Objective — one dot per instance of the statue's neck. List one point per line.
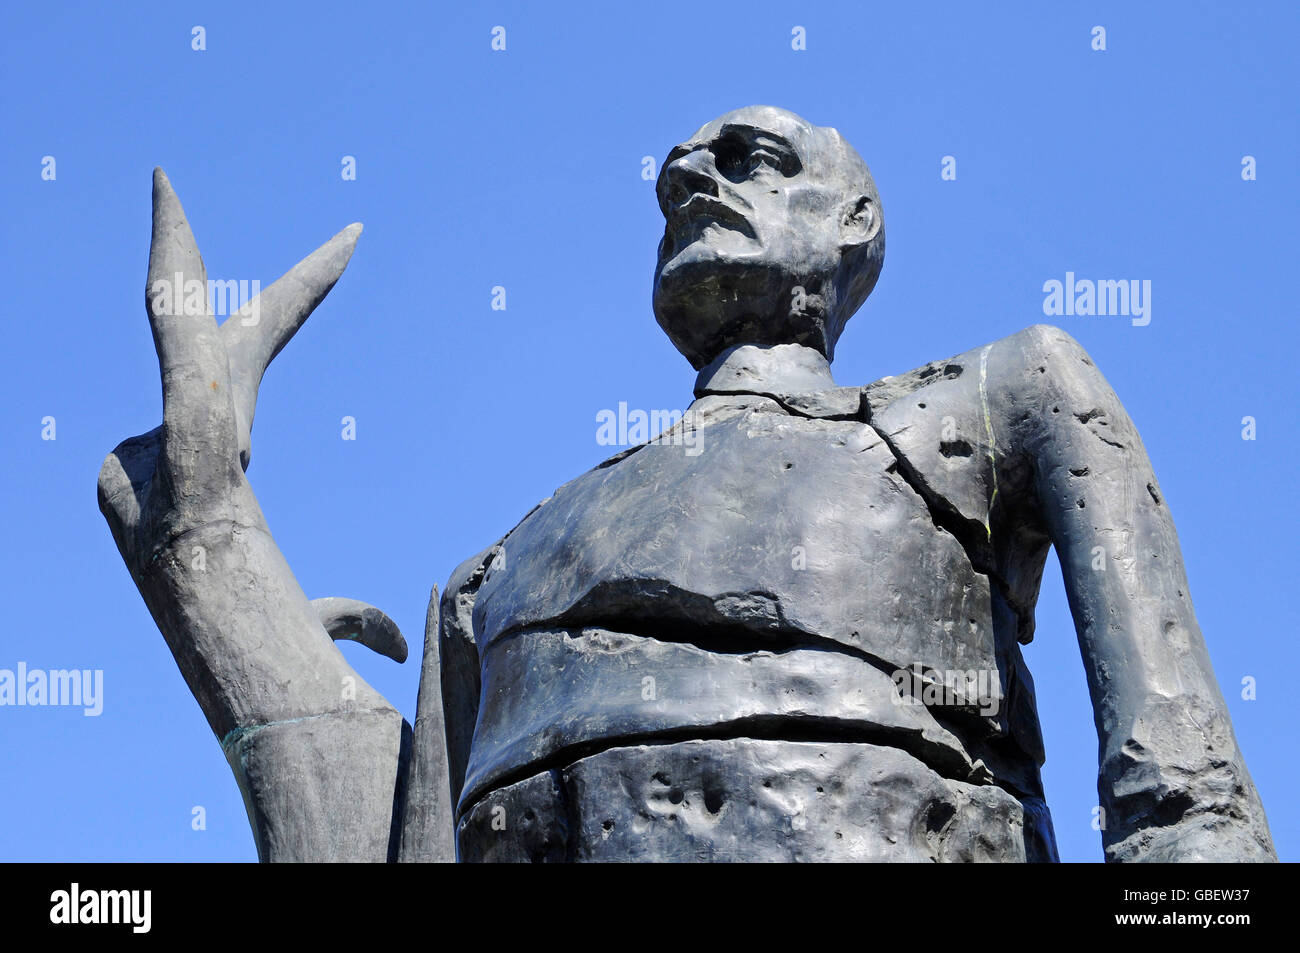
(765, 369)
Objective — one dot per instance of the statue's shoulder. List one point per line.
(1036, 344)
(950, 419)
(999, 366)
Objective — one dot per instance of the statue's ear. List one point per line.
(859, 222)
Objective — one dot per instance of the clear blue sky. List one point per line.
(523, 169)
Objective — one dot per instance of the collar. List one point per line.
(766, 369)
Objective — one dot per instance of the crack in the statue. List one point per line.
(159, 549)
(781, 401)
(973, 536)
(569, 807)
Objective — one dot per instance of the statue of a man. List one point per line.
(788, 628)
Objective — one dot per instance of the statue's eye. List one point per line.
(731, 157)
(738, 159)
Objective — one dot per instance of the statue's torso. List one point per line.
(774, 581)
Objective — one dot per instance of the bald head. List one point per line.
(773, 235)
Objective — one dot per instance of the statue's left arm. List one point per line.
(1173, 782)
(319, 755)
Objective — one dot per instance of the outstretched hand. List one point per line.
(210, 377)
(190, 471)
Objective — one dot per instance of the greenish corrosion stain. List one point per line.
(988, 433)
(236, 735)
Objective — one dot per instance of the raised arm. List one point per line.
(1173, 783)
(317, 752)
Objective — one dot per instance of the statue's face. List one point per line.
(759, 205)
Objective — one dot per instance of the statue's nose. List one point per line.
(687, 175)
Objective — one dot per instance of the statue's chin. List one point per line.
(726, 288)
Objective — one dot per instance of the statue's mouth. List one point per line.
(688, 221)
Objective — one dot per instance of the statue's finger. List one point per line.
(359, 622)
(198, 414)
(255, 335)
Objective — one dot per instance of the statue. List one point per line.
(788, 628)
